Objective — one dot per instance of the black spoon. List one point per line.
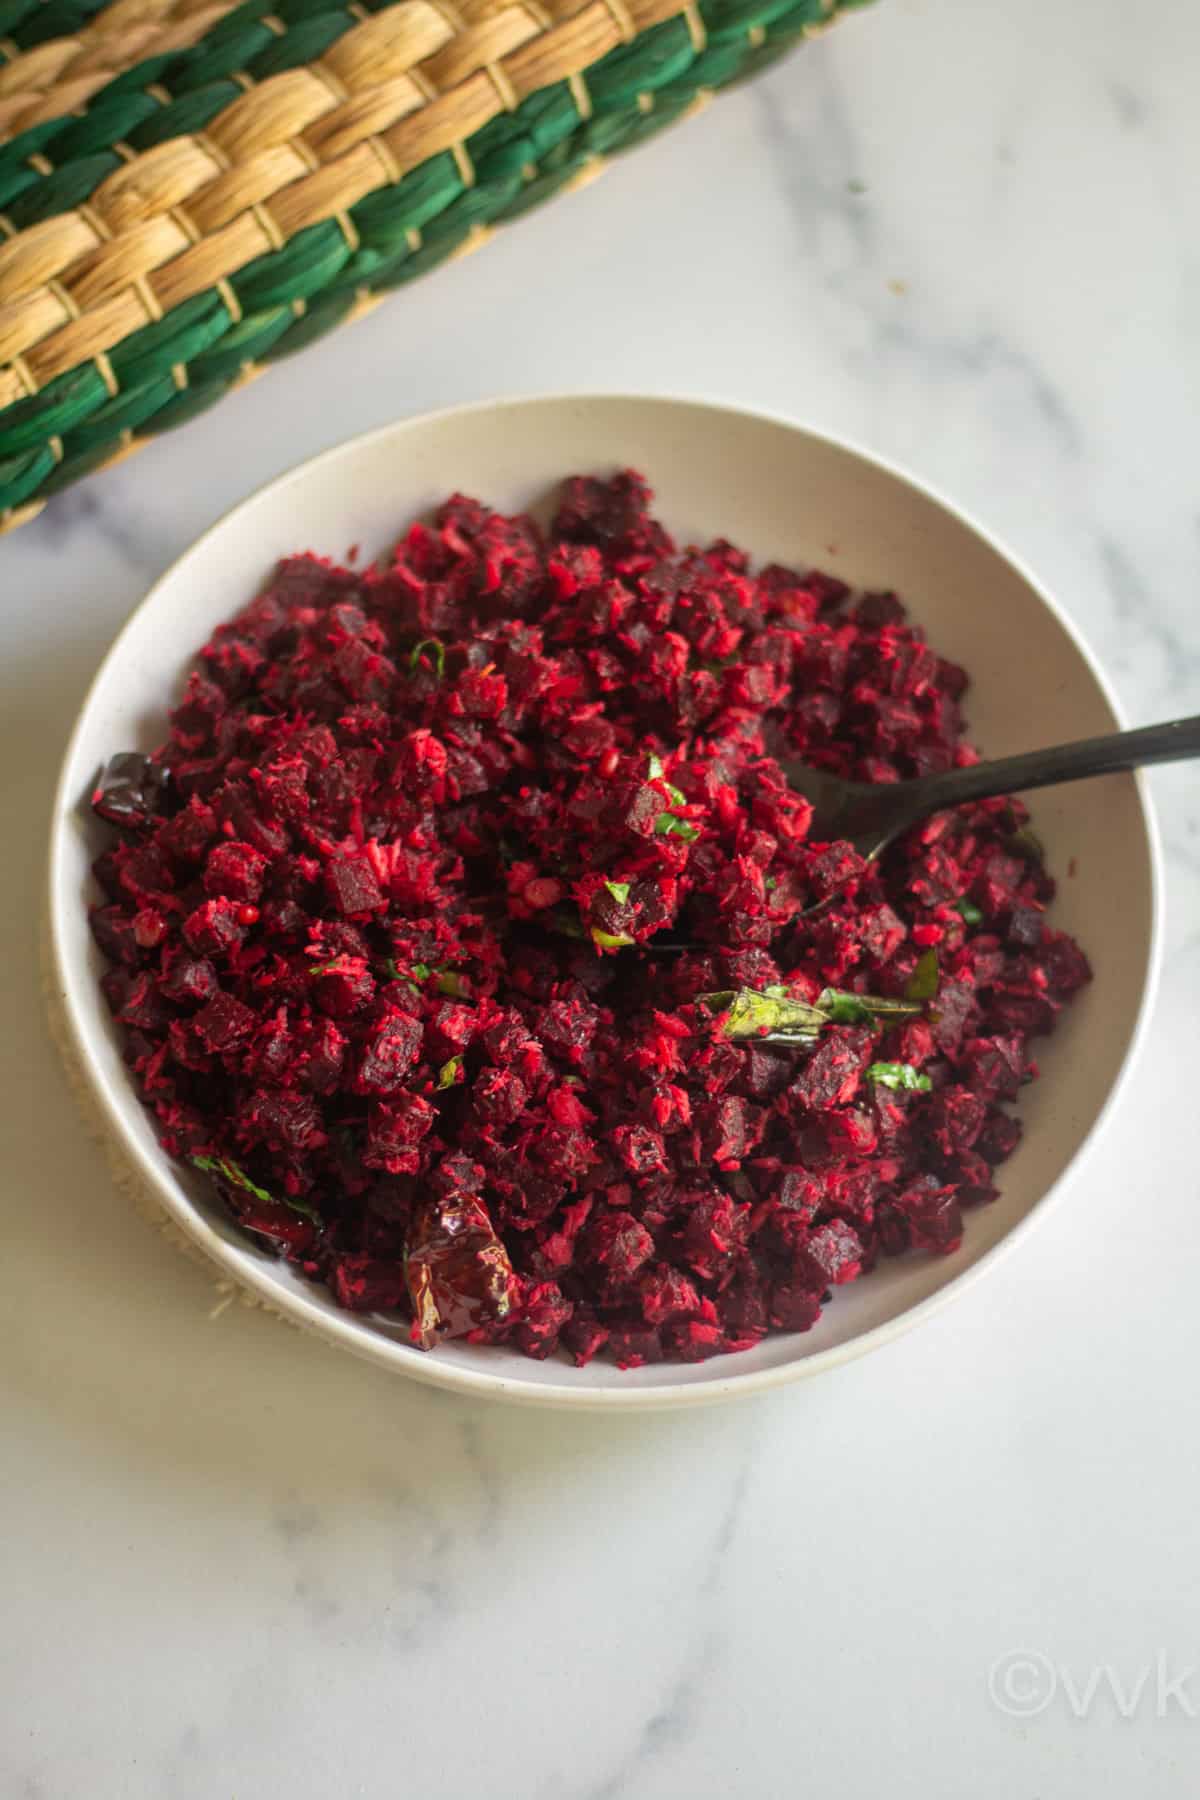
(870, 815)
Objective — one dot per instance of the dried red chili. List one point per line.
(460, 933)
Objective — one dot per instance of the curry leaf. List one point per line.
(749, 1014)
(923, 982)
(899, 1075)
(238, 1178)
(667, 825)
(439, 655)
(843, 1008)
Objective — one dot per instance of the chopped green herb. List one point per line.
(787, 1020)
(923, 982)
(771, 883)
(439, 655)
(899, 1075)
(323, 968)
(608, 940)
(751, 1014)
(1026, 843)
(844, 1008)
(391, 970)
(565, 924)
(448, 981)
(216, 1165)
(667, 825)
(448, 1073)
(968, 912)
(719, 1000)
(655, 772)
(619, 891)
(236, 1177)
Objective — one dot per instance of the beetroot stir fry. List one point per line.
(463, 933)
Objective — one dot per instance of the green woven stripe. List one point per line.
(292, 296)
(58, 193)
(191, 112)
(200, 79)
(184, 332)
(30, 22)
(122, 110)
(61, 405)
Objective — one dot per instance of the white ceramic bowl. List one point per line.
(784, 493)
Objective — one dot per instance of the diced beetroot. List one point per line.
(396, 1128)
(287, 1121)
(794, 1307)
(642, 1150)
(633, 1346)
(828, 1256)
(544, 1313)
(113, 930)
(213, 929)
(322, 1055)
(692, 1340)
(389, 1053)
(619, 1244)
(665, 1294)
(424, 926)
(368, 1283)
(354, 886)
(345, 988)
(189, 980)
(930, 1211)
(583, 1338)
(221, 1023)
(235, 870)
(830, 1076)
(498, 1097)
(143, 1006)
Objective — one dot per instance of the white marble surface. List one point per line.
(238, 1565)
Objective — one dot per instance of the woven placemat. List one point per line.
(190, 190)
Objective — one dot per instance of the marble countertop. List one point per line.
(239, 1565)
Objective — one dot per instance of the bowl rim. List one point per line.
(345, 1330)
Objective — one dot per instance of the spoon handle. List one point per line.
(1171, 742)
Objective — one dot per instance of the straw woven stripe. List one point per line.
(143, 275)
